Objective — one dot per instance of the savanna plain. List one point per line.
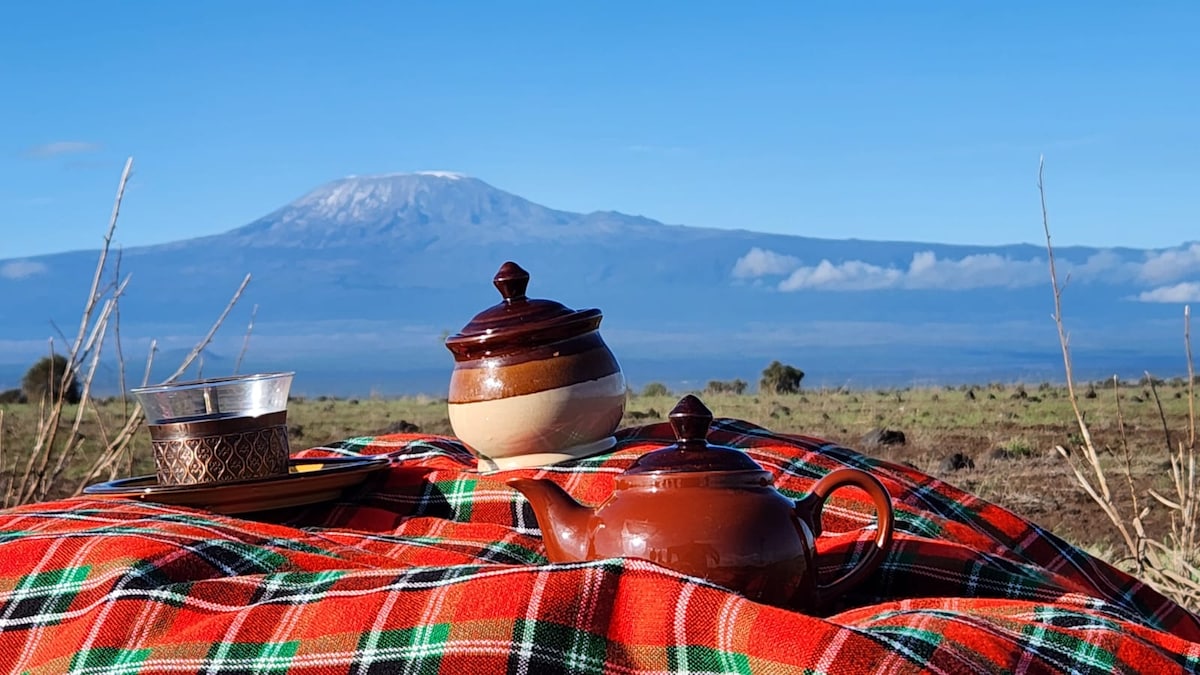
(997, 441)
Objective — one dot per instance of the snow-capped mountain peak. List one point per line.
(452, 175)
(420, 206)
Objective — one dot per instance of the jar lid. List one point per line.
(518, 322)
(690, 419)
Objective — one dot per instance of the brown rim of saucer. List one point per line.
(251, 496)
(148, 483)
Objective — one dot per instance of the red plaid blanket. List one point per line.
(432, 567)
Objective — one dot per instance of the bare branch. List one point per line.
(1091, 457)
(1191, 371)
(93, 296)
(2, 458)
(117, 339)
(1125, 445)
(204, 342)
(1162, 415)
(245, 341)
(68, 450)
(149, 362)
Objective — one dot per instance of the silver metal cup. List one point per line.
(220, 429)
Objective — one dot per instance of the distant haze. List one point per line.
(358, 281)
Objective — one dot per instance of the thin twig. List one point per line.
(68, 450)
(1104, 498)
(117, 339)
(110, 458)
(246, 340)
(187, 362)
(100, 425)
(1162, 415)
(45, 442)
(1191, 528)
(58, 331)
(93, 296)
(1105, 505)
(2, 458)
(112, 455)
(69, 447)
(149, 362)
(1125, 445)
(1191, 371)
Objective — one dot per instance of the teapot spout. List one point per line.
(563, 521)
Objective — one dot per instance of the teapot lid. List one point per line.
(519, 322)
(690, 419)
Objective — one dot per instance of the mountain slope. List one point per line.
(381, 265)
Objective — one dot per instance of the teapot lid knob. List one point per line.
(691, 452)
(512, 281)
(690, 419)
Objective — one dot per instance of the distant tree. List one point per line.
(655, 389)
(737, 387)
(779, 378)
(46, 378)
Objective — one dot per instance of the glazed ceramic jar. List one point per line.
(533, 382)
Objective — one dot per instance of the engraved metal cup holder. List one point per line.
(218, 430)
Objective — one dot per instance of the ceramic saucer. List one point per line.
(541, 459)
(308, 481)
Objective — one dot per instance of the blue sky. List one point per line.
(917, 121)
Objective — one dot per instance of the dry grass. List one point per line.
(1028, 477)
(54, 455)
(1167, 556)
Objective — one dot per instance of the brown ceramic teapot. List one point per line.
(712, 512)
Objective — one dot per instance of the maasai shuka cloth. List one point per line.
(431, 566)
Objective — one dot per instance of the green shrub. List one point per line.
(655, 389)
(722, 387)
(1019, 447)
(44, 380)
(778, 378)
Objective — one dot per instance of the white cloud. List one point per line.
(20, 269)
(763, 263)
(973, 271)
(988, 270)
(59, 148)
(1188, 291)
(925, 270)
(1171, 264)
(853, 275)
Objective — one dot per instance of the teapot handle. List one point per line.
(809, 510)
